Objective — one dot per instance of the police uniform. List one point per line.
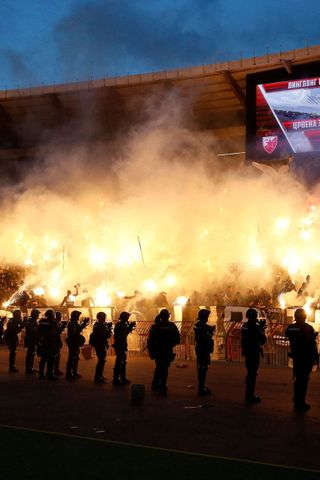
(99, 339)
(48, 334)
(61, 326)
(74, 341)
(120, 345)
(31, 340)
(252, 338)
(204, 348)
(163, 336)
(14, 327)
(304, 354)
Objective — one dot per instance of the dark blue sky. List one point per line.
(46, 41)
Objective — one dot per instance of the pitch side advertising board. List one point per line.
(284, 114)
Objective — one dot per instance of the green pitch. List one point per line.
(32, 455)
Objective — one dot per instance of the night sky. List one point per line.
(47, 41)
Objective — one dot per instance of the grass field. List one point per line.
(27, 454)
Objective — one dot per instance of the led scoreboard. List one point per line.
(283, 115)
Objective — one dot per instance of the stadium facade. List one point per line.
(216, 93)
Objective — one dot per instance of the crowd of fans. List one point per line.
(228, 293)
(11, 279)
(222, 293)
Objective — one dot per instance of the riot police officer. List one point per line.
(48, 334)
(304, 354)
(204, 347)
(99, 340)
(121, 331)
(14, 327)
(163, 336)
(31, 340)
(61, 326)
(252, 339)
(74, 340)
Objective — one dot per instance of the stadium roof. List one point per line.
(216, 93)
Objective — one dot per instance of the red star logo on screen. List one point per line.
(270, 143)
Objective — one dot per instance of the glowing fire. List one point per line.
(102, 298)
(282, 224)
(97, 256)
(55, 292)
(182, 300)
(282, 302)
(150, 285)
(292, 262)
(39, 290)
(307, 306)
(257, 260)
(153, 222)
(171, 280)
(306, 234)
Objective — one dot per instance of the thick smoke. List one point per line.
(83, 214)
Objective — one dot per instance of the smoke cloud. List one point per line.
(82, 211)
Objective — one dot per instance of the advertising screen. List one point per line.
(287, 119)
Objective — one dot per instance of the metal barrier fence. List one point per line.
(227, 338)
(275, 351)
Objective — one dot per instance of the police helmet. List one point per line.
(300, 314)
(203, 314)
(101, 316)
(49, 314)
(75, 314)
(252, 314)
(164, 314)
